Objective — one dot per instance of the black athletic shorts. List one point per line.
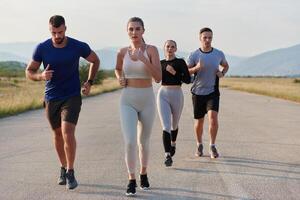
(203, 103)
(63, 110)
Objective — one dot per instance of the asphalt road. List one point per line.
(259, 142)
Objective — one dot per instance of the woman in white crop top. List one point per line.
(136, 66)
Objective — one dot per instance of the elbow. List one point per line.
(97, 63)
(157, 79)
(187, 81)
(27, 75)
(116, 73)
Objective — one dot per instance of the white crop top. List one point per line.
(135, 69)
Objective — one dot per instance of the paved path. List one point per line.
(259, 141)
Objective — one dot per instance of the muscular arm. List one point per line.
(94, 65)
(32, 71)
(225, 66)
(93, 69)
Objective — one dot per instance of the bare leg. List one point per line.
(131, 176)
(68, 132)
(143, 170)
(59, 146)
(198, 127)
(213, 125)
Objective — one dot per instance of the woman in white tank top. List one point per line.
(136, 66)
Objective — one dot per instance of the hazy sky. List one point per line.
(241, 27)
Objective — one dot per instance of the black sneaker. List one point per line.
(131, 188)
(168, 161)
(172, 150)
(144, 182)
(213, 152)
(62, 179)
(199, 151)
(71, 181)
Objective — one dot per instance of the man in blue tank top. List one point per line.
(60, 56)
(208, 64)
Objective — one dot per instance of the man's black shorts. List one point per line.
(203, 103)
(63, 110)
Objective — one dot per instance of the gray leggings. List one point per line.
(137, 107)
(169, 104)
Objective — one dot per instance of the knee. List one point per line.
(130, 145)
(199, 123)
(143, 146)
(69, 138)
(57, 134)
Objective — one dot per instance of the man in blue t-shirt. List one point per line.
(60, 56)
(209, 64)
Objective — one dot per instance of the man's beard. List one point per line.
(56, 41)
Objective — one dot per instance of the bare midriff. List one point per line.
(139, 83)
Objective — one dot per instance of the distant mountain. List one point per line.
(5, 56)
(21, 51)
(234, 60)
(280, 62)
(107, 57)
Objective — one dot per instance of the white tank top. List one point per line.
(135, 69)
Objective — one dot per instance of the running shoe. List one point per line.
(199, 151)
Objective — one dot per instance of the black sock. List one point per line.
(167, 141)
(174, 135)
(132, 181)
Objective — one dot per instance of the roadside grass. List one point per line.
(18, 94)
(284, 88)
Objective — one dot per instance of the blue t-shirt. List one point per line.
(64, 62)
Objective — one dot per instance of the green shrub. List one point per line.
(84, 72)
(109, 73)
(296, 80)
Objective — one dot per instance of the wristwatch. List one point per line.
(90, 81)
